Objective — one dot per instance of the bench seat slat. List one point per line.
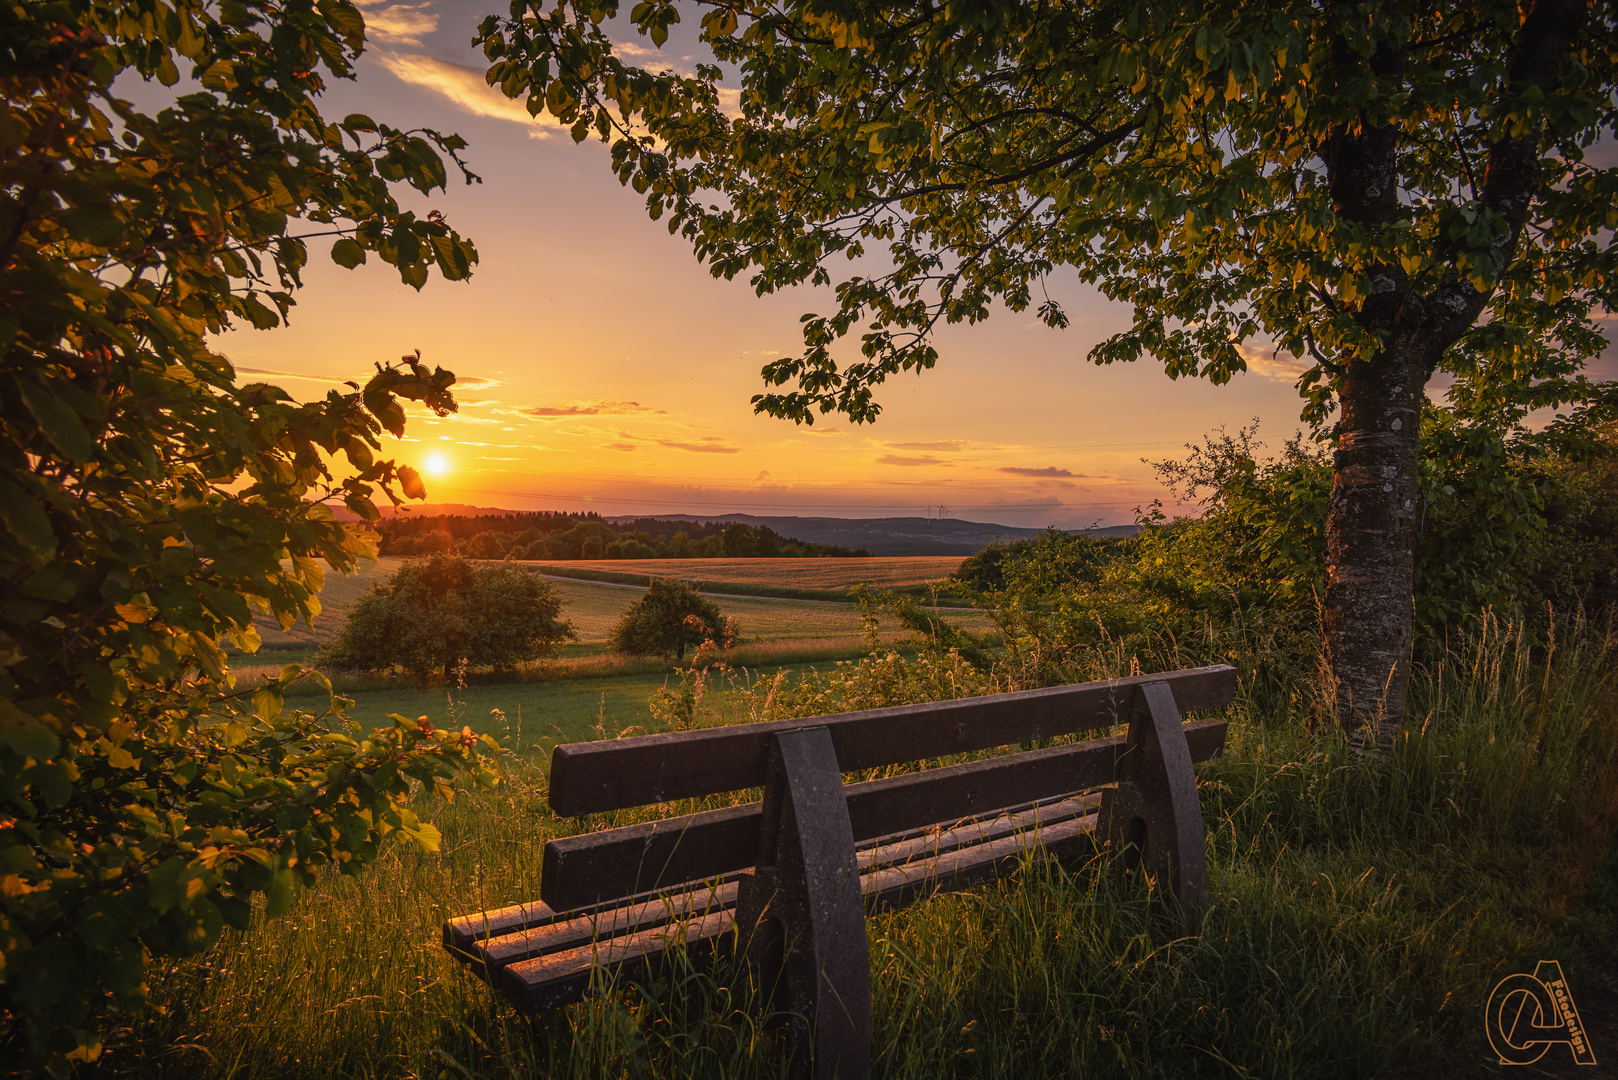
(898, 886)
(498, 952)
(547, 982)
(616, 773)
(932, 844)
(580, 871)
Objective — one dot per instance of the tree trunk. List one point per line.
(1370, 527)
(1370, 542)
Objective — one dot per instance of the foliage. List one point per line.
(931, 629)
(669, 617)
(150, 504)
(1499, 523)
(563, 536)
(978, 148)
(434, 614)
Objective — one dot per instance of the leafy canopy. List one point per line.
(1174, 153)
(433, 614)
(669, 617)
(151, 505)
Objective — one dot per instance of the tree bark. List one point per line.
(1370, 542)
(1370, 526)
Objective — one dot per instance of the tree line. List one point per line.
(588, 536)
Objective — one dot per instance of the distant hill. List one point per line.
(879, 536)
(885, 536)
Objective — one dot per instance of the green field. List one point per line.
(893, 572)
(813, 628)
(822, 579)
(587, 686)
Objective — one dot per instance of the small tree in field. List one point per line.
(433, 614)
(669, 617)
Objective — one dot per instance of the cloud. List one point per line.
(947, 444)
(287, 375)
(465, 87)
(622, 446)
(1049, 470)
(1049, 502)
(594, 408)
(1272, 363)
(763, 474)
(397, 24)
(895, 459)
(710, 445)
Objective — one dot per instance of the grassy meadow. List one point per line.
(827, 579)
(1358, 912)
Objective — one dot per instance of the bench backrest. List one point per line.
(612, 865)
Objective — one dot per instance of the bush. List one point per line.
(431, 615)
(669, 617)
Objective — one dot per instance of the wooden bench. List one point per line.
(787, 881)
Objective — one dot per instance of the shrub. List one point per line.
(669, 617)
(433, 614)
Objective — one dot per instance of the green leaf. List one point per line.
(25, 520)
(410, 483)
(25, 734)
(278, 897)
(57, 421)
(347, 253)
(267, 704)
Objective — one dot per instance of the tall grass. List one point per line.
(1357, 912)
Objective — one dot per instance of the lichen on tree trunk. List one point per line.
(1370, 542)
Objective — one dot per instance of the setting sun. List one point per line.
(437, 465)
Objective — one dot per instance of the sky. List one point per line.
(602, 368)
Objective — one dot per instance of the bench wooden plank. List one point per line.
(579, 871)
(613, 774)
(561, 936)
(973, 864)
(548, 982)
(933, 843)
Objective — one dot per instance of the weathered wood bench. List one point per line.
(787, 880)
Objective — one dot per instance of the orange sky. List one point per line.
(604, 369)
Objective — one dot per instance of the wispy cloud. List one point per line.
(1049, 470)
(710, 445)
(464, 86)
(1048, 503)
(397, 24)
(270, 372)
(623, 447)
(1271, 363)
(896, 459)
(593, 408)
(946, 445)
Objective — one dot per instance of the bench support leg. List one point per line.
(803, 911)
(1154, 809)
